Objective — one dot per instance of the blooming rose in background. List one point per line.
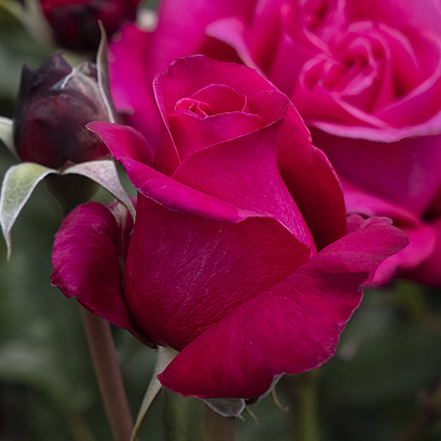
(54, 104)
(365, 77)
(74, 23)
(248, 270)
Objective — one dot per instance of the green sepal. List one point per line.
(21, 179)
(104, 173)
(165, 356)
(6, 135)
(227, 407)
(18, 184)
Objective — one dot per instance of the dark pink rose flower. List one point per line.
(365, 77)
(239, 263)
(54, 104)
(74, 23)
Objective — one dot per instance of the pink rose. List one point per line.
(365, 77)
(242, 267)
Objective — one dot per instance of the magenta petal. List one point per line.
(123, 141)
(192, 133)
(428, 272)
(129, 146)
(130, 62)
(311, 181)
(86, 261)
(179, 83)
(173, 26)
(292, 327)
(193, 271)
(419, 254)
(219, 171)
(221, 98)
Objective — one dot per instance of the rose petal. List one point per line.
(428, 272)
(130, 148)
(119, 138)
(185, 272)
(292, 327)
(418, 254)
(222, 98)
(311, 181)
(405, 172)
(174, 16)
(178, 82)
(412, 13)
(131, 81)
(191, 133)
(421, 236)
(220, 172)
(86, 261)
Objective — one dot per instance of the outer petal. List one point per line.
(404, 172)
(414, 259)
(312, 181)
(428, 272)
(185, 272)
(129, 147)
(123, 139)
(131, 81)
(292, 327)
(86, 259)
(422, 237)
(174, 17)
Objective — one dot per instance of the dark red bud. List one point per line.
(74, 23)
(54, 104)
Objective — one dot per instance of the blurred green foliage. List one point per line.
(389, 353)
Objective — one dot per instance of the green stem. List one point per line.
(217, 427)
(303, 404)
(102, 349)
(182, 417)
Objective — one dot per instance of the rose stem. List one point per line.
(217, 427)
(102, 350)
(301, 392)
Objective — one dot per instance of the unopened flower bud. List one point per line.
(74, 23)
(54, 104)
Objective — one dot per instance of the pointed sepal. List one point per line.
(165, 356)
(6, 135)
(104, 173)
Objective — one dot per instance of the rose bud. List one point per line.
(54, 104)
(74, 23)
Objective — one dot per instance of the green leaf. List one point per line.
(18, 184)
(104, 173)
(6, 135)
(165, 356)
